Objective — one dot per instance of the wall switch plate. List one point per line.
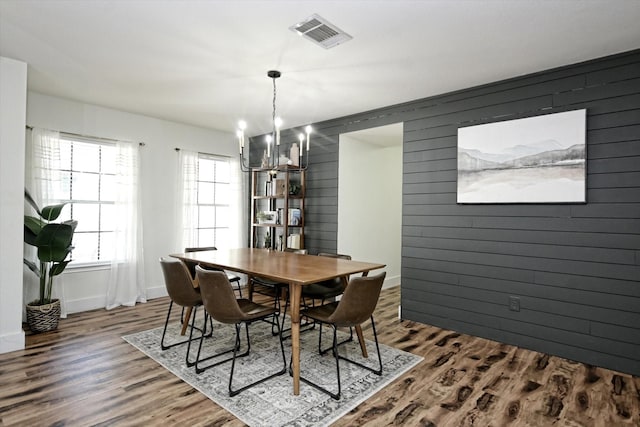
(514, 303)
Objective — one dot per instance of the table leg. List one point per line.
(250, 287)
(295, 292)
(363, 346)
(185, 321)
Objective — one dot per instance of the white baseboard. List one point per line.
(12, 342)
(156, 292)
(84, 304)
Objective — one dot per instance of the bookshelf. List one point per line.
(277, 208)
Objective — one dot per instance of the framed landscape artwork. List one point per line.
(538, 159)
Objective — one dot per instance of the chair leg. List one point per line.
(193, 325)
(335, 396)
(166, 322)
(233, 392)
(346, 340)
(199, 368)
(337, 356)
(275, 326)
(375, 336)
(239, 287)
(163, 346)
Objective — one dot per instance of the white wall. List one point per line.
(370, 198)
(85, 289)
(13, 98)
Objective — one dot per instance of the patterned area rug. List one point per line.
(272, 403)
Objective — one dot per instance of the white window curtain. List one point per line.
(126, 284)
(42, 161)
(186, 212)
(239, 206)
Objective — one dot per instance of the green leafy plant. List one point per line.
(53, 241)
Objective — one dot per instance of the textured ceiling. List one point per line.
(204, 62)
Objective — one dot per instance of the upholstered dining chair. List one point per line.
(221, 304)
(357, 304)
(327, 289)
(233, 278)
(272, 288)
(181, 292)
(320, 291)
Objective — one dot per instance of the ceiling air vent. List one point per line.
(320, 31)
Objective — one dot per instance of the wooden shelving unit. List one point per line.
(281, 190)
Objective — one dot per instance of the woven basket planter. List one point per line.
(43, 318)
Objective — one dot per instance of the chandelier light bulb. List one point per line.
(242, 125)
(269, 139)
(277, 122)
(308, 129)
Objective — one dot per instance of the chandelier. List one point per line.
(271, 158)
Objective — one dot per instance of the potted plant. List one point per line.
(54, 243)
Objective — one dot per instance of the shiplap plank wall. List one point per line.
(575, 268)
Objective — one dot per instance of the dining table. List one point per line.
(297, 270)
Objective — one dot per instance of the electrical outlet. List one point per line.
(514, 303)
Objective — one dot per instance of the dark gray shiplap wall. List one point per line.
(575, 267)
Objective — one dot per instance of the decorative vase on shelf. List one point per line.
(294, 154)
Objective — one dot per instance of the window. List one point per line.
(213, 184)
(87, 182)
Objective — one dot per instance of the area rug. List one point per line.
(272, 403)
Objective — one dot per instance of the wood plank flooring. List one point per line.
(86, 374)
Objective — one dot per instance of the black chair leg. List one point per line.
(375, 336)
(335, 396)
(166, 323)
(200, 369)
(233, 392)
(163, 346)
(346, 340)
(193, 325)
(337, 356)
(275, 326)
(239, 287)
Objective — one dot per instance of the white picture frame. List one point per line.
(539, 159)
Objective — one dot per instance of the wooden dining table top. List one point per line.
(281, 266)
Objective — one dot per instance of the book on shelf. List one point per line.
(293, 241)
(295, 217)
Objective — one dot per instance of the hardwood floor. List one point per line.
(86, 374)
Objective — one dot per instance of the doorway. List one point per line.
(370, 197)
